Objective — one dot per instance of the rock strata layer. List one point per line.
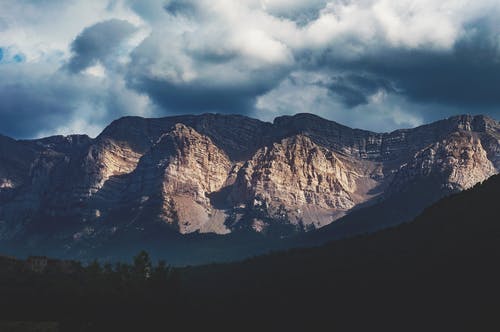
(221, 173)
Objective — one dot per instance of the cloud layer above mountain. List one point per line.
(74, 65)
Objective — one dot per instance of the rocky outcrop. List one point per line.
(215, 173)
(299, 181)
(183, 168)
(457, 162)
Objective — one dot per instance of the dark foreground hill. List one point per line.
(438, 273)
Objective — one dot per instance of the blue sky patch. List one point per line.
(19, 58)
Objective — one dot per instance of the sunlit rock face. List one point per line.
(458, 162)
(183, 167)
(298, 180)
(222, 173)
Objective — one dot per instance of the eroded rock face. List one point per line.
(216, 173)
(188, 167)
(297, 180)
(105, 160)
(458, 162)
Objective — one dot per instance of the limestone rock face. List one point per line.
(183, 168)
(216, 173)
(105, 160)
(297, 180)
(458, 162)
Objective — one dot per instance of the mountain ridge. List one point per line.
(226, 174)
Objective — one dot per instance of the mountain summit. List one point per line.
(226, 174)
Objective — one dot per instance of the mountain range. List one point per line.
(437, 272)
(215, 187)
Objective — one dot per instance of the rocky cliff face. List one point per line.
(299, 181)
(183, 168)
(458, 162)
(218, 174)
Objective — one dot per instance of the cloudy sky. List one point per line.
(72, 66)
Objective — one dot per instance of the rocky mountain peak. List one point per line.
(306, 122)
(468, 122)
(179, 139)
(222, 173)
(184, 167)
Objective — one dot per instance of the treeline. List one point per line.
(92, 297)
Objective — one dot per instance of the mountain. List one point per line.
(437, 272)
(203, 183)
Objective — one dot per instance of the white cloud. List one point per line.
(271, 54)
(97, 70)
(302, 94)
(45, 29)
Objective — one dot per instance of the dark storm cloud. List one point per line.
(180, 7)
(32, 101)
(355, 89)
(189, 98)
(460, 78)
(468, 75)
(35, 101)
(463, 77)
(301, 13)
(20, 103)
(96, 42)
(39, 99)
(224, 80)
(202, 96)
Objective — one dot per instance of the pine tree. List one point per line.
(142, 267)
